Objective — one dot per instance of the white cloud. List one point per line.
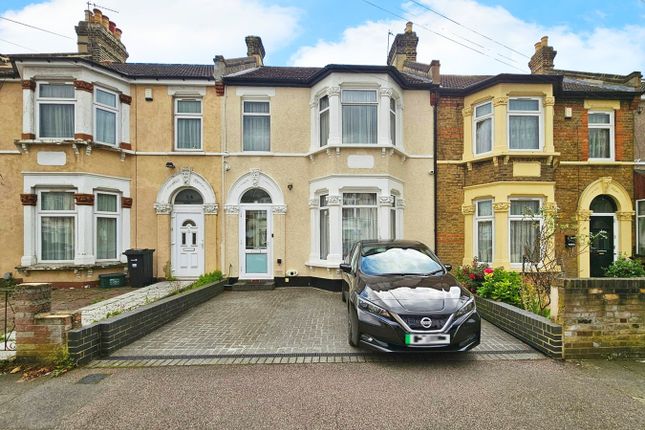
(613, 50)
(187, 31)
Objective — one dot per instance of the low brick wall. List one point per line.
(539, 332)
(602, 317)
(105, 337)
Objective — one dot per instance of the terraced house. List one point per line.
(271, 173)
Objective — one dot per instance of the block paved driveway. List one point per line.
(288, 324)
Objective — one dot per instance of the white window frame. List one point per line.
(639, 204)
(54, 214)
(611, 127)
(522, 217)
(539, 113)
(103, 214)
(199, 116)
(256, 100)
(322, 208)
(376, 104)
(481, 219)
(477, 119)
(108, 108)
(320, 113)
(395, 121)
(344, 206)
(51, 100)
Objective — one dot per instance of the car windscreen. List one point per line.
(379, 261)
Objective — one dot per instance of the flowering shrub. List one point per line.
(503, 286)
(471, 276)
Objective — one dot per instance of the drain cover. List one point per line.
(93, 378)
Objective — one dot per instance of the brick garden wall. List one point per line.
(602, 317)
(105, 337)
(539, 332)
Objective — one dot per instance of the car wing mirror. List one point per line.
(448, 267)
(347, 268)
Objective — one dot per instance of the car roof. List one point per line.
(393, 243)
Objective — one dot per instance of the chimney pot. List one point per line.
(105, 21)
(112, 26)
(118, 33)
(435, 73)
(404, 48)
(544, 40)
(408, 27)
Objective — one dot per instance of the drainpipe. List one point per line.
(224, 148)
(435, 113)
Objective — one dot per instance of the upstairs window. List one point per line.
(393, 121)
(483, 128)
(601, 135)
(524, 124)
(105, 116)
(107, 219)
(323, 113)
(57, 216)
(188, 124)
(359, 114)
(256, 126)
(56, 110)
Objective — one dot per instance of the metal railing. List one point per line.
(8, 339)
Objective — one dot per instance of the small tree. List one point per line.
(542, 263)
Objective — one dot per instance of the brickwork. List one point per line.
(602, 317)
(486, 171)
(40, 336)
(106, 336)
(539, 332)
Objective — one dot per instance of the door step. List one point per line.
(253, 285)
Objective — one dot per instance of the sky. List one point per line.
(472, 36)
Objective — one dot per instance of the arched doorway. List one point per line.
(602, 227)
(256, 245)
(187, 233)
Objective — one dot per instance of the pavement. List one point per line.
(292, 324)
(520, 394)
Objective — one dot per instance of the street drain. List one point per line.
(93, 378)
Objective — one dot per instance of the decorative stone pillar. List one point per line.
(335, 233)
(125, 121)
(28, 108)
(549, 102)
(84, 128)
(85, 224)
(467, 113)
(584, 266)
(383, 125)
(314, 220)
(384, 214)
(500, 118)
(469, 250)
(335, 132)
(315, 126)
(29, 202)
(625, 229)
(126, 206)
(501, 240)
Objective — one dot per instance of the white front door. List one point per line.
(188, 243)
(256, 242)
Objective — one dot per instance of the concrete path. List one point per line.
(522, 394)
(282, 325)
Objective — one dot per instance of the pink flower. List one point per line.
(488, 270)
(472, 276)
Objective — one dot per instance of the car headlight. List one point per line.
(372, 308)
(466, 309)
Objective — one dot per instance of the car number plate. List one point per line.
(427, 339)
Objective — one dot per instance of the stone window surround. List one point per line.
(85, 186)
(334, 186)
(332, 87)
(499, 95)
(84, 80)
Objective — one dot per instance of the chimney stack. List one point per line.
(404, 48)
(100, 38)
(255, 48)
(542, 60)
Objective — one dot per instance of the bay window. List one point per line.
(524, 124)
(56, 104)
(525, 222)
(256, 126)
(359, 218)
(105, 116)
(323, 114)
(484, 231)
(483, 128)
(324, 227)
(57, 221)
(107, 220)
(601, 135)
(640, 227)
(359, 116)
(188, 124)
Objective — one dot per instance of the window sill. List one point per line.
(61, 267)
(323, 264)
(24, 145)
(506, 156)
(338, 148)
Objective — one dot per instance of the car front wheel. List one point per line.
(352, 326)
